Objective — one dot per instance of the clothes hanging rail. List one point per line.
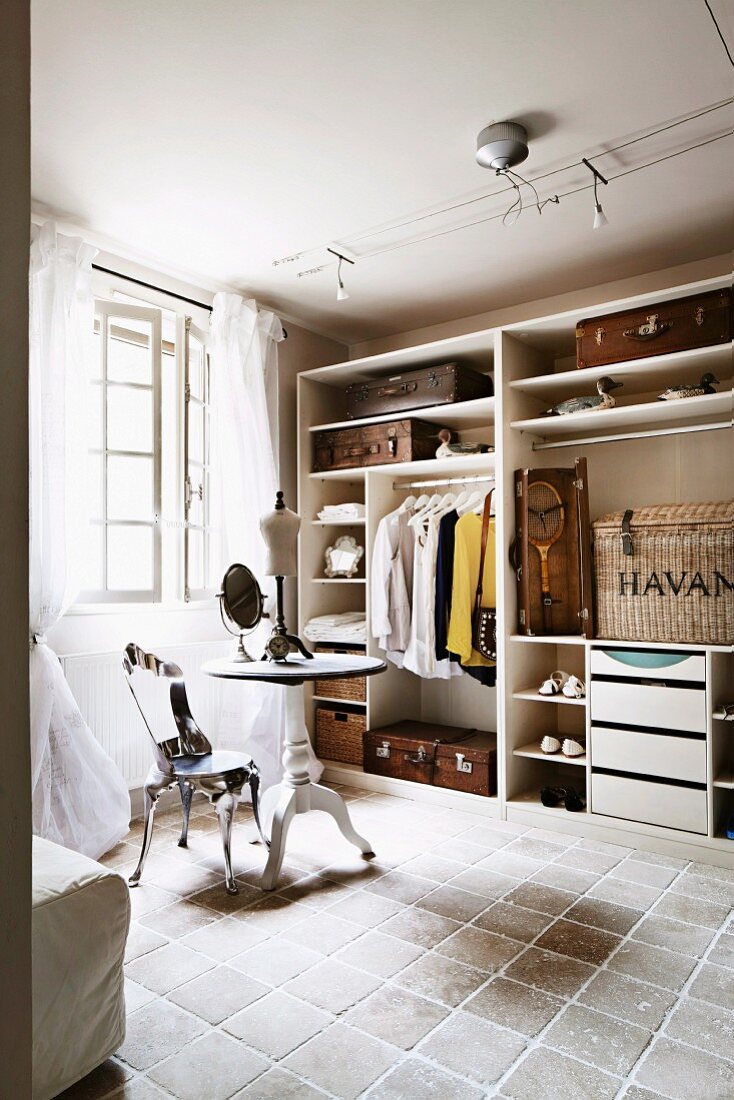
(652, 432)
(159, 289)
(442, 481)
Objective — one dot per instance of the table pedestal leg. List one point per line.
(296, 794)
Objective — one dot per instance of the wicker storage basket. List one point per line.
(352, 689)
(671, 579)
(339, 735)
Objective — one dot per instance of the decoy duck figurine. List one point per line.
(602, 399)
(675, 393)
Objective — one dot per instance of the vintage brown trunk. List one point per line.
(678, 325)
(444, 756)
(418, 389)
(570, 610)
(374, 445)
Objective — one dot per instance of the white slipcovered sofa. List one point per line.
(81, 916)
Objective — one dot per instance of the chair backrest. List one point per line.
(169, 740)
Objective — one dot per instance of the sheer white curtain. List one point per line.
(245, 463)
(80, 799)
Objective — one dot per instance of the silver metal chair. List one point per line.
(186, 758)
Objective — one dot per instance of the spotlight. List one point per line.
(341, 294)
(600, 218)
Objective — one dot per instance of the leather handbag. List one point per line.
(484, 619)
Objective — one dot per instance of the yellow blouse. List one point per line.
(467, 550)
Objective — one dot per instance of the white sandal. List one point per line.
(572, 747)
(550, 745)
(574, 688)
(555, 683)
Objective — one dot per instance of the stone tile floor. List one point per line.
(471, 958)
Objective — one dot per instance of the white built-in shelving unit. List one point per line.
(644, 451)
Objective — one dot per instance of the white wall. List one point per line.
(524, 311)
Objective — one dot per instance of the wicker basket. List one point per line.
(339, 735)
(676, 583)
(352, 689)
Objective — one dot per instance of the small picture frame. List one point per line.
(343, 558)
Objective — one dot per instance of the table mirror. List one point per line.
(343, 558)
(241, 606)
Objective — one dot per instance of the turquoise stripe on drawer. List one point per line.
(646, 660)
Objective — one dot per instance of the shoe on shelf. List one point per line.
(573, 747)
(575, 802)
(550, 744)
(725, 711)
(574, 688)
(555, 683)
(553, 796)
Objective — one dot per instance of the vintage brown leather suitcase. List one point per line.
(418, 389)
(374, 445)
(552, 526)
(444, 756)
(678, 325)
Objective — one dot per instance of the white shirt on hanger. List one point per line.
(392, 582)
(420, 656)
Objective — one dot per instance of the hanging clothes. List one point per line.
(467, 550)
(420, 656)
(444, 583)
(392, 583)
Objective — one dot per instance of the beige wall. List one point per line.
(15, 782)
(301, 351)
(605, 292)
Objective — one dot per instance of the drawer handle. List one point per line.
(341, 716)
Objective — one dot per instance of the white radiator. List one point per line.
(99, 687)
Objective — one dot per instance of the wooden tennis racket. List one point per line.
(546, 519)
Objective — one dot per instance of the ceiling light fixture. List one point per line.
(341, 294)
(600, 218)
(502, 145)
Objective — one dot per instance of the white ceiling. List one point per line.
(216, 137)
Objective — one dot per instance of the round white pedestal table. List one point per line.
(296, 794)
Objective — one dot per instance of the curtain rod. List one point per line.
(160, 289)
(442, 481)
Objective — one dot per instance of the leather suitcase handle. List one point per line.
(355, 452)
(392, 391)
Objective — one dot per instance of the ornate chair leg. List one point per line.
(187, 793)
(150, 798)
(254, 791)
(225, 806)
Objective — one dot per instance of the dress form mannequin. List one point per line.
(279, 530)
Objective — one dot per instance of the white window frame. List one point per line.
(202, 490)
(104, 312)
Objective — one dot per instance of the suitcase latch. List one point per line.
(421, 757)
(599, 336)
(651, 328)
(700, 313)
(462, 764)
(383, 751)
(433, 380)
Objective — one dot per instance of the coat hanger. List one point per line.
(409, 502)
(419, 516)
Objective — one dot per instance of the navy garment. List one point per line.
(485, 674)
(444, 583)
